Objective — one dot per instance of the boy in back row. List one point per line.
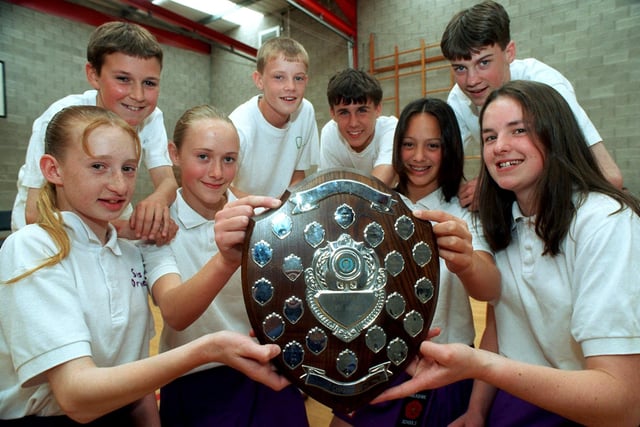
(358, 136)
(124, 62)
(278, 130)
(477, 42)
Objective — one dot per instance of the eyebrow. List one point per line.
(511, 123)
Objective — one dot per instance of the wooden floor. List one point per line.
(318, 414)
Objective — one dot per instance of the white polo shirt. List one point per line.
(521, 69)
(555, 311)
(335, 151)
(192, 248)
(269, 155)
(93, 303)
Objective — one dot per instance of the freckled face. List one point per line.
(98, 185)
(421, 154)
(208, 163)
(283, 84)
(512, 154)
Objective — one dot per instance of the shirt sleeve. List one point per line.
(387, 132)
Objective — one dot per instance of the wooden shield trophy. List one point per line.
(345, 280)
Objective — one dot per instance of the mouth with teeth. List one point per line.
(419, 169)
(133, 108)
(288, 98)
(509, 163)
(477, 95)
(113, 204)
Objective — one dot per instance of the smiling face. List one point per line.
(421, 155)
(283, 84)
(512, 154)
(97, 185)
(127, 85)
(356, 123)
(208, 162)
(487, 70)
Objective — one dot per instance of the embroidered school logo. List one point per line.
(299, 142)
(138, 279)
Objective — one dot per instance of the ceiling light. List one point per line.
(223, 9)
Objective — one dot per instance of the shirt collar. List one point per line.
(81, 232)
(186, 214)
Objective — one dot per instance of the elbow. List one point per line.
(172, 319)
(614, 176)
(176, 324)
(617, 181)
(78, 411)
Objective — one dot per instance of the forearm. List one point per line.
(86, 392)
(183, 303)
(591, 397)
(31, 207)
(165, 185)
(607, 165)
(482, 278)
(298, 175)
(385, 173)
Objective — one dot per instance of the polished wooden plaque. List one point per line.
(345, 280)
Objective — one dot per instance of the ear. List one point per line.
(510, 51)
(257, 79)
(174, 153)
(92, 76)
(51, 169)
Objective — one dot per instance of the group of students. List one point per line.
(533, 235)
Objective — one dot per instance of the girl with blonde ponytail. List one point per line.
(76, 325)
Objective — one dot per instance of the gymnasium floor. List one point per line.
(318, 414)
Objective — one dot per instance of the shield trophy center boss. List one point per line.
(345, 280)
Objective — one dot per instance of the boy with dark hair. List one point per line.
(478, 44)
(357, 136)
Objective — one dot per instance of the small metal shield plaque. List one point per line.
(345, 280)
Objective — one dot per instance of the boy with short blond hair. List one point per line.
(278, 129)
(124, 62)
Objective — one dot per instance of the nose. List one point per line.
(419, 152)
(472, 76)
(501, 145)
(118, 183)
(137, 92)
(215, 170)
(289, 83)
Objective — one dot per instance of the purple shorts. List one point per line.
(510, 411)
(222, 396)
(437, 407)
